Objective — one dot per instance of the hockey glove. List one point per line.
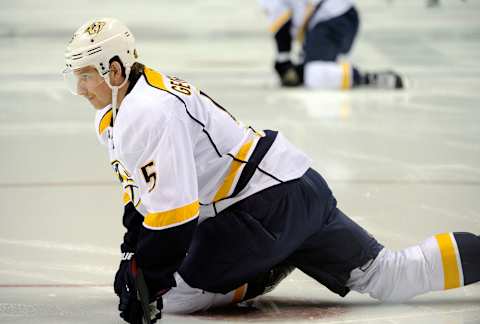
(121, 273)
(135, 306)
(290, 75)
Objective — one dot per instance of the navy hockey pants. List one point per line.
(328, 39)
(296, 222)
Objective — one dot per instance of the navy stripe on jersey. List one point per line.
(213, 143)
(218, 105)
(257, 156)
(252, 164)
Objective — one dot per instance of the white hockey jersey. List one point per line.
(302, 11)
(179, 154)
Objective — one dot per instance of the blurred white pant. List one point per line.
(328, 75)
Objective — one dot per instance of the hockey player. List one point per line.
(217, 212)
(326, 29)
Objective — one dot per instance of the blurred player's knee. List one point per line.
(441, 262)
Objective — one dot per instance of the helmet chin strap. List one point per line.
(115, 93)
(114, 103)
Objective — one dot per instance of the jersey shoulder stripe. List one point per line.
(155, 79)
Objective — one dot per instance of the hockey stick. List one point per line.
(143, 296)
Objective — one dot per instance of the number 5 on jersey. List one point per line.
(150, 175)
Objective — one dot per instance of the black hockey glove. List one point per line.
(119, 281)
(135, 306)
(290, 75)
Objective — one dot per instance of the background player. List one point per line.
(326, 30)
(215, 210)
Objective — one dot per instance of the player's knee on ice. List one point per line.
(327, 75)
(184, 299)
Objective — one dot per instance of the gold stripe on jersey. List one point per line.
(345, 76)
(105, 122)
(282, 20)
(234, 168)
(309, 10)
(155, 79)
(131, 195)
(172, 217)
(126, 198)
(239, 294)
(449, 261)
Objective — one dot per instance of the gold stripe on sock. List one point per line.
(449, 261)
(346, 83)
(239, 293)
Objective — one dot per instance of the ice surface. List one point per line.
(406, 165)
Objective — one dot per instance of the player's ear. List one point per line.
(116, 77)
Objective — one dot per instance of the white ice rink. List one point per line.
(405, 165)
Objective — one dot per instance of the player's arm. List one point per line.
(159, 156)
(280, 17)
(132, 221)
(290, 74)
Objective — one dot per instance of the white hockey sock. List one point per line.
(397, 276)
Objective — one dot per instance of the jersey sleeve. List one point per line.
(278, 13)
(157, 151)
(288, 20)
(103, 118)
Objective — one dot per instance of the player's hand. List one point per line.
(289, 74)
(119, 281)
(130, 306)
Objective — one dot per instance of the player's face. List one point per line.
(93, 87)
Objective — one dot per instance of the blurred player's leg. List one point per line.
(327, 75)
(323, 45)
(379, 80)
(441, 262)
(331, 75)
(324, 42)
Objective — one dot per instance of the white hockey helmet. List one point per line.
(94, 44)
